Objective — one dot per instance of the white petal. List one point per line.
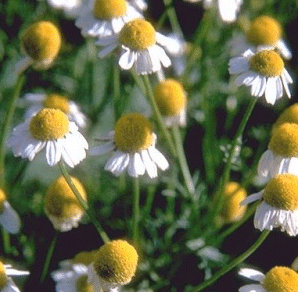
(285, 84)
(252, 198)
(149, 164)
(293, 166)
(271, 91)
(252, 288)
(284, 50)
(127, 60)
(136, 166)
(117, 163)
(10, 219)
(102, 149)
(158, 158)
(265, 163)
(53, 153)
(252, 274)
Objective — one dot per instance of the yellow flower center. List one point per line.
(84, 257)
(57, 101)
(61, 202)
(233, 194)
(267, 63)
(137, 34)
(82, 284)
(281, 192)
(133, 133)
(170, 97)
(49, 124)
(41, 41)
(264, 30)
(290, 115)
(284, 140)
(281, 279)
(2, 200)
(108, 9)
(116, 262)
(3, 277)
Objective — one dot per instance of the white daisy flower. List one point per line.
(73, 274)
(282, 155)
(102, 18)
(71, 8)
(279, 206)
(264, 72)
(62, 206)
(114, 266)
(278, 279)
(9, 218)
(264, 33)
(227, 8)
(38, 101)
(171, 101)
(133, 146)
(141, 46)
(41, 44)
(50, 129)
(141, 5)
(6, 282)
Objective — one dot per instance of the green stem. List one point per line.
(182, 161)
(136, 209)
(173, 17)
(83, 203)
(48, 259)
(7, 124)
(6, 242)
(149, 200)
(158, 116)
(233, 263)
(116, 96)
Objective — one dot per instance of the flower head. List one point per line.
(41, 42)
(264, 72)
(289, 115)
(62, 206)
(71, 8)
(133, 143)
(50, 129)
(114, 265)
(141, 47)
(101, 18)
(57, 101)
(278, 279)
(279, 207)
(171, 101)
(9, 218)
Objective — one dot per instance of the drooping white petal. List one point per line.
(284, 50)
(117, 163)
(127, 59)
(10, 219)
(252, 288)
(271, 91)
(252, 274)
(149, 164)
(158, 158)
(252, 198)
(265, 163)
(53, 153)
(136, 166)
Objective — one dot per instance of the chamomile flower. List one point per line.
(141, 46)
(62, 206)
(38, 101)
(232, 210)
(50, 129)
(71, 8)
(282, 154)
(41, 44)
(228, 9)
(171, 101)
(102, 18)
(73, 273)
(6, 282)
(264, 72)
(114, 265)
(289, 115)
(133, 146)
(9, 218)
(264, 32)
(278, 279)
(279, 206)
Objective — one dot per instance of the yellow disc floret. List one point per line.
(290, 115)
(41, 41)
(84, 257)
(61, 202)
(133, 133)
(284, 140)
(281, 192)
(268, 63)
(233, 194)
(264, 30)
(138, 34)
(49, 124)
(170, 97)
(281, 279)
(57, 101)
(106, 10)
(82, 284)
(3, 277)
(2, 200)
(116, 262)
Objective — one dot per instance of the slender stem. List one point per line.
(182, 161)
(6, 241)
(116, 93)
(48, 259)
(158, 116)
(7, 123)
(136, 209)
(173, 17)
(234, 262)
(83, 203)
(149, 200)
